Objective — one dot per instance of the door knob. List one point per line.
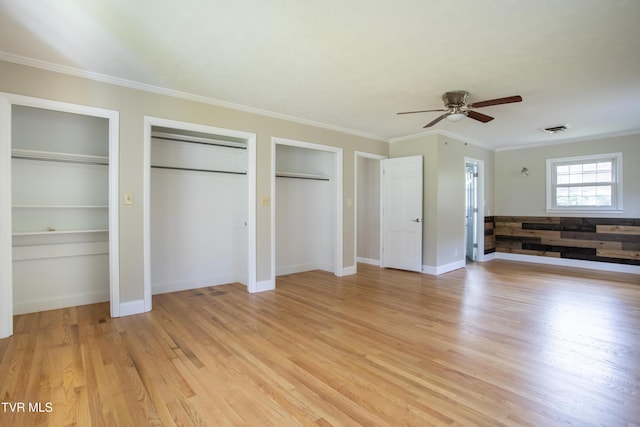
(416, 220)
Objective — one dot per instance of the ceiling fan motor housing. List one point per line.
(456, 98)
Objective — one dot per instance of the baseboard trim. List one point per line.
(566, 262)
(131, 307)
(487, 257)
(293, 269)
(265, 285)
(369, 261)
(348, 271)
(36, 305)
(441, 269)
(165, 288)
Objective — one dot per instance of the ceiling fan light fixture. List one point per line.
(456, 117)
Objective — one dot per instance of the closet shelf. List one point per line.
(58, 232)
(52, 156)
(297, 175)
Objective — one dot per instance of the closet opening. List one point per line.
(58, 185)
(307, 208)
(200, 216)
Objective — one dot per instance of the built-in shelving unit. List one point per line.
(60, 208)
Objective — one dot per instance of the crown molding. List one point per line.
(104, 78)
(570, 140)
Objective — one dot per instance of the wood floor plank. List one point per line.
(496, 344)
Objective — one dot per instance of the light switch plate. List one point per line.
(128, 198)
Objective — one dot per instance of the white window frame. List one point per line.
(616, 188)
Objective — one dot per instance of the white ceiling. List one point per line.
(354, 64)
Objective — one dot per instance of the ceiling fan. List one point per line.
(457, 107)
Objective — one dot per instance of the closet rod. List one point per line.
(166, 138)
(312, 178)
(198, 170)
(52, 159)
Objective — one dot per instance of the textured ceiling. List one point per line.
(354, 64)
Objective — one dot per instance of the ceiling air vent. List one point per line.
(556, 129)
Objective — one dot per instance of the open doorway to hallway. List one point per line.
(471, 211)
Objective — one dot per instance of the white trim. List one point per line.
(6, 251)
(265, 285)
(356, 156)
(348, 271)
(567, 262)
(166, 288)
(251, 140)
(369, 261)
(103, 78)
(299, 268)
(488, 257)
(339, 171)
(441, 269)
(6, 281)
(132, 307)
(43, 304)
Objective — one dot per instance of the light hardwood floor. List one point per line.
(499, 343)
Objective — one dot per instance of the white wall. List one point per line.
(519, 195)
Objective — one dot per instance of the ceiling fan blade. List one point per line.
(479, 116)
(420, 111)
(498, 101)
(436, 120)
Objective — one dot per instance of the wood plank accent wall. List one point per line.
(615, 240)
(489, 235)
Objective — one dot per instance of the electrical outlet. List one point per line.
(266, 201)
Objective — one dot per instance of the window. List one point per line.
(587, 183)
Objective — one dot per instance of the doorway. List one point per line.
(471, 211)
(368, 209)
(199, 208)
(474, 210)
(59, 215)
(307, 211)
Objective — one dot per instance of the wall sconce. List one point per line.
(524, 172)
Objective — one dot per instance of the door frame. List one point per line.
(339, 235)
(250, 139)
(479, 225)
(358, 155)
(7, 100)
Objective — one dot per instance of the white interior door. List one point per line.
(402, 213)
